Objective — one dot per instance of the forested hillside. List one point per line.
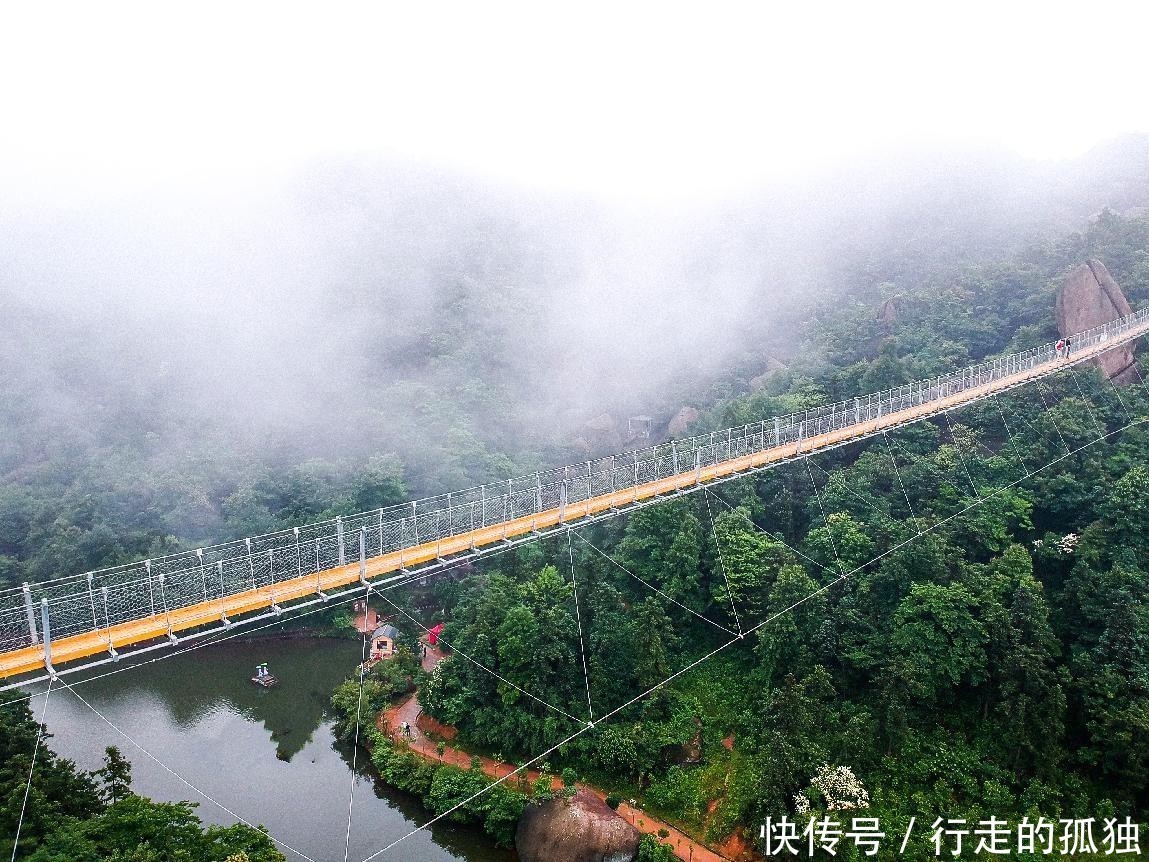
(63, 814)
(988, 654)
(200, 371)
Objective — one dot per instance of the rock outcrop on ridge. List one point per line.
(1088, 298)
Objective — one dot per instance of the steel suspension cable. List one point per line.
(362, 671)
(1012, 441)
(649, 585)
(177, 776)
(721, 562)
(578, 616)
(1041, 395)
(770, 535)
(960, 454)
(483, 667)
(209, 641)
(1088, 406)
(40, 734)
(898, 473)
(841, 577)
(825, 517)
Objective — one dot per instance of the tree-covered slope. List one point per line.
(985, 654)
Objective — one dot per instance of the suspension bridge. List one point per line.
(88, 619)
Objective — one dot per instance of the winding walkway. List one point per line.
(391, 721)
(74, 601)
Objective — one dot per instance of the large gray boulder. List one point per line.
(580, 829)
(682, 421)
(1088, 298)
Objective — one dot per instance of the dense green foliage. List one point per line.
(70, 513)
(139, 416)
(443, 787)
(651, 850)
(74, 816)
(370, 695)
(986, 654)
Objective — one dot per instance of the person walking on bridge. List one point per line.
(1060, 348)
(1067, 343)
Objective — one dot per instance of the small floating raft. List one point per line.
(263, 677)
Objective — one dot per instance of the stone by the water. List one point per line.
(580, 829)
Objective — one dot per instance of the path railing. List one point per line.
(99, 600)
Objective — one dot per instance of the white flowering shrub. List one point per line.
(837, 787)
(1066, 545)
(801, 804)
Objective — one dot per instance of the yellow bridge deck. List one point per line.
(75, 647)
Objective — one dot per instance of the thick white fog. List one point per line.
(332, 231)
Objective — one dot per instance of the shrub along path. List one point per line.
(391, 720)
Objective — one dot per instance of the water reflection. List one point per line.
(268, 754)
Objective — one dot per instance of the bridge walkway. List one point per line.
(169, 624)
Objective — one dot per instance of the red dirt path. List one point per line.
(391, 721)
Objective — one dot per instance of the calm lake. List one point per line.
(268, 755)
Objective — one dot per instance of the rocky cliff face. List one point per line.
(1090, 297)
(757, 384)
(682, 421)
(580, 829)
(888, 313)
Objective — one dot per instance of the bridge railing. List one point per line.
(95, 601)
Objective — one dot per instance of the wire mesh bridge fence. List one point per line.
(100, 600)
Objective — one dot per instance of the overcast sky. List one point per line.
(630, 100)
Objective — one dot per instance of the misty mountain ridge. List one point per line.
(365, 307)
